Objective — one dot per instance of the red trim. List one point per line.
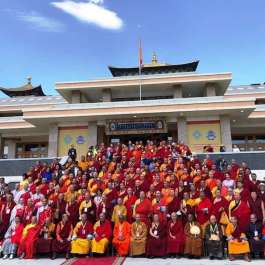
(73, 127)
(204, 122)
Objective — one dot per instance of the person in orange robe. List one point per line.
(27, 246)
(143, 206)
(121, 236)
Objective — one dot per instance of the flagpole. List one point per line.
(140, 68)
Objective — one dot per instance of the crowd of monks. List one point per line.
(152, 199)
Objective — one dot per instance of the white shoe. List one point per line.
(5, 257)
(11, 256)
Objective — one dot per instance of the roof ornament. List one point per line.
(29, 78)
(154, 58)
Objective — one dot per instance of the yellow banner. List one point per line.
(73, 136)
(202, 134)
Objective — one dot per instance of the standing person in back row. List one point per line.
(72, 152)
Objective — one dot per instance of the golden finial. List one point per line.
(154, 58)
(29, 78)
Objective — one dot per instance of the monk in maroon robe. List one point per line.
(63, 237)
(220, 205)
(143, 206)
(156, 240)
(5, 212)
(175, 235)
(203, 209)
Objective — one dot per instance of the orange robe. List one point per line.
(121, 240)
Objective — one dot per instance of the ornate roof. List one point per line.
(26, 90)
(154, 68)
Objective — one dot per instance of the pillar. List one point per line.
(210, 90)
(11, 149)
(182, 130)
(106, 95)
(92, 134)
(53, 140)
(76, 97)
(177, 91)
(1, 147)
(226, 132)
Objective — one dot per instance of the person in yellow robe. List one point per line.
(102, 235)
(138, 237)
(121, 236)
(237, 240)
(83, 164)
(119, 209)
(82, 235)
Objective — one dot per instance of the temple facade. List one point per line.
(177, 103)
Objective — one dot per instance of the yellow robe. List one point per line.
(118, 209)
(235, 246)
(80, 245)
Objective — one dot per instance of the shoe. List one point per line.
(22, 256)
(246, 258)
(11, 256)
(53, 256)
(67, 256)
(5, 257)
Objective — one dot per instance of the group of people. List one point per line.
(152, 199)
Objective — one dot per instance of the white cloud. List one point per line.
(91, 12)
(40, 22)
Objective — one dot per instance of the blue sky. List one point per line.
(57, 40)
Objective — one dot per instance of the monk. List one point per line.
(118, 210)
(27, 246)
(87, 206)
(175, 235)
(102, 235)
(156, 238)
(214, 239)
(237, 241)
(143, 207)
(129, 201)
(82, 236)
(12, 239)
(220, 208)
(138, 237)
(240, 210)
(44, 211)
(121, 236)
(193, 242)
(203, 209)
(46, 235)
(61, 244)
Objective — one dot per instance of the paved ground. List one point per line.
(139, 261)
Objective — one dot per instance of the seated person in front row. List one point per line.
(121, 236)
(254, 234)
(138, 237)
(193, 242)
(214, 239)
(237, 240)
(82, 236)
(102, 235)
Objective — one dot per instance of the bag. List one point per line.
(224, 220)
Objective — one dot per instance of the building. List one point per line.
(177, 103)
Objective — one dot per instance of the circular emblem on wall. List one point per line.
(112, 126)
(67, 139)
(196, 134)
(80, 139)
(211, 135)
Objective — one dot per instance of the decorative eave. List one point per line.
(22, 91)
(153, 69)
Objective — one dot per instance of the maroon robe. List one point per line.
(255, 207)
(63, 232)
(217, 206)
(156, 247)
(73, 210)
(5, 212)
(175, 237)
(173, 206)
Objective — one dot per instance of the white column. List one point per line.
(11, 149)
(226, 132)
(92, 134)
(211, 90)
(53, 140)
(182, 130)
